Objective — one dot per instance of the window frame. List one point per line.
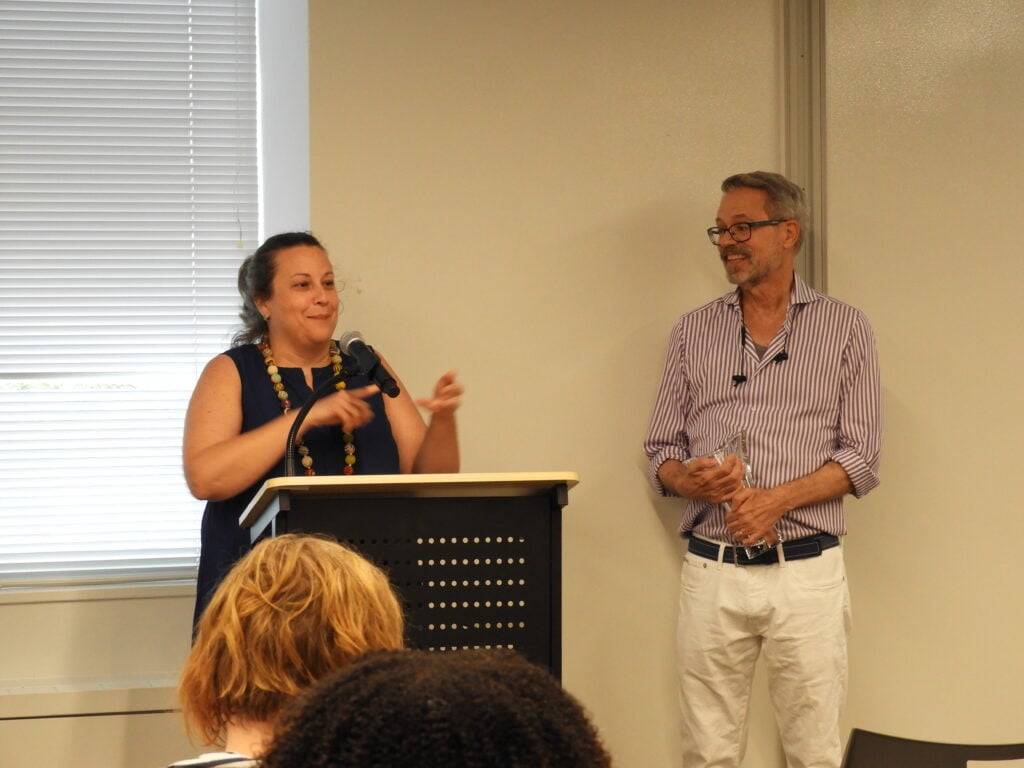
(283, 189)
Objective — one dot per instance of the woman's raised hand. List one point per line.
(447, 395)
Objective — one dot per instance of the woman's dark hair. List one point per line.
(255, 276)
(420, 709)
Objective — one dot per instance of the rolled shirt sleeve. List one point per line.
(860, 414)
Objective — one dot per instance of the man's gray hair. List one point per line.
(785, 199)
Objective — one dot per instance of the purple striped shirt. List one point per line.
(822, 403)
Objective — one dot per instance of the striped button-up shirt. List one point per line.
(818, 402)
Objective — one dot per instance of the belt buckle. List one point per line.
(737, 553)
(744, 552)
(752, 553)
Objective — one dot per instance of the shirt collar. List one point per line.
(801, 293)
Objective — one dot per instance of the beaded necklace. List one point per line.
(282, 397)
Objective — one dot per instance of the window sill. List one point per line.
(18, 595)
(87, 697)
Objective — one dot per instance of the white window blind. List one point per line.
(128, 197)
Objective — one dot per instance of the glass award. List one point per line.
(737, 444)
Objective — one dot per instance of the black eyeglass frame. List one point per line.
(715, 233)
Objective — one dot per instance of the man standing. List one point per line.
(796, 372)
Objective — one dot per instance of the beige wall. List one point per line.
(520, 190)
(87, 675)
(924, 172)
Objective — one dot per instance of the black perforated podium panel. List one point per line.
(472, 572)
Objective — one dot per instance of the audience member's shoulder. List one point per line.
(217, 760)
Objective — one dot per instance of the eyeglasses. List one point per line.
(741, 231)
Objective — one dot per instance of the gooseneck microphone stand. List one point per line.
(323, 389)
(376, 373)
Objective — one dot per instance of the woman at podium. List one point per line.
(246, 400)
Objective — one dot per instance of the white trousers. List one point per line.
(797, 614)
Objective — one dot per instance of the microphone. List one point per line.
(367, 361)
(740, 378)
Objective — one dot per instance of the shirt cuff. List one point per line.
(862, 477)
(665, 454)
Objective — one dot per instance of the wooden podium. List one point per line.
(476, 558)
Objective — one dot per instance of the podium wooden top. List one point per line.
(407, 486)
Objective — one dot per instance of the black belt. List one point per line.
(797, 549)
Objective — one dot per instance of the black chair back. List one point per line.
(867, 749)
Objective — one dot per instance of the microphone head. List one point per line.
(348, 338)
(738, 379)
(781, 357)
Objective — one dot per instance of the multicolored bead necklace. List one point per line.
(282, 396)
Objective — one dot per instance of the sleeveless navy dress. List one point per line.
(223, 542)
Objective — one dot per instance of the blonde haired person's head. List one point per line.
(294, 609)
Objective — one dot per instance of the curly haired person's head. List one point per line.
(418, 709)
(290, 612)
